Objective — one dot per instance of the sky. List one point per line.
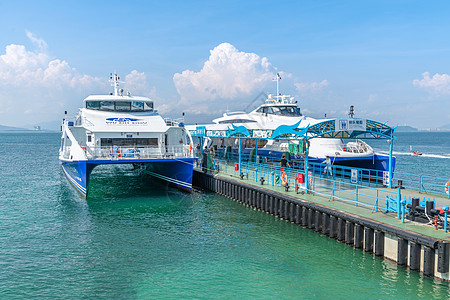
(389, 59)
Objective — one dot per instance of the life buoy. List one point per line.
(284, 178)
(84, 149)
(446, 187)
(265, 159)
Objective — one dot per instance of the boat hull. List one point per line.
(177, 172)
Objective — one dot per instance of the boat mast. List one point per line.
(278, 81)
(114, 82)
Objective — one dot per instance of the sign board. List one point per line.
(386, 178)
(354, 178)
(200, 131)
(350, 125)
(258, 133)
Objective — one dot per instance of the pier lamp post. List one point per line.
(239, 165)
(391, 146)
(306, 165)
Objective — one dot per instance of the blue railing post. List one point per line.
(391, 146)
(399, 198)
(377, 201)
(256, 174)
(334, 188)
(420, 183)
(403, 203)
(239, 165)
(273, 177)
(356, 195)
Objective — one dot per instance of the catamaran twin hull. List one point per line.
(176, 172)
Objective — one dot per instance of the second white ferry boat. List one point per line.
(125, 129)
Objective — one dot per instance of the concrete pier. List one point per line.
(416, 250)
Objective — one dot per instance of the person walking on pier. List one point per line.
(284, 162)
(328, 166)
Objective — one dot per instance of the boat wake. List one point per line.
(447, 156)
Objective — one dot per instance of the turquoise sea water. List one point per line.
(134, 238)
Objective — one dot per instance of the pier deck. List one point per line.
(348, 207)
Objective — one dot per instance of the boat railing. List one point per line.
(173, 122)
(356, 147)
(130, 152)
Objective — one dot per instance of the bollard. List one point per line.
(349, 233)
(379, 243)
(402, 252)
(368, 239)
(428, 261)
(359, 236)
(325, 224)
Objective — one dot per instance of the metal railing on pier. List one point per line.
(366, 177)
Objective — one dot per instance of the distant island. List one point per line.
(9, 128)
(406, 128)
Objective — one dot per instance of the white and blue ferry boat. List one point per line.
(125, 129)
(282, 110)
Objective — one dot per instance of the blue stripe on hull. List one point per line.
(78, 174)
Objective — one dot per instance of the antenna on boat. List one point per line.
(278, 78)
(114, 79)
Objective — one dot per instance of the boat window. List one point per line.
(148, 105)
(137, 106)
(93, 104)
(236, 121)
(129, 142)
(122, 106)
(288, 111)
(107, 105)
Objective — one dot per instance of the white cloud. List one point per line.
(36, 87)
(305, 87)
(438, 84)
(136, 83)
(227, 74)
(40, 43)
